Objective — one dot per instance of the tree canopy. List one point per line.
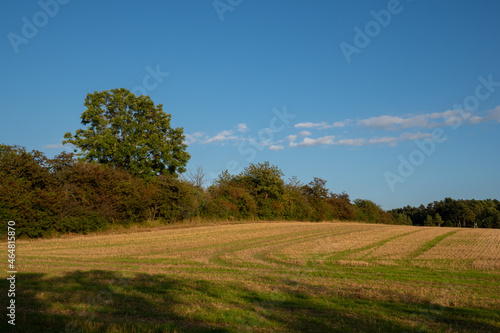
(458, 213)
(129, 132)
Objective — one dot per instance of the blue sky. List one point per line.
(393, 101)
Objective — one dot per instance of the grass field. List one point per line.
(283, 277)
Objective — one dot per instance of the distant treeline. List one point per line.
(63, 195)
(452, 213)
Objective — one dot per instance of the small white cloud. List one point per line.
(351, 142)
(449, 118)
(311, 125)
(304, 133)
(242, 127)
(390, 140)
(476, 120)
(192, 138)
(54, 146)
(381, 122)
(393, 140)
(324, 124)
(494, 114)
(339, 124)
(276, 147)
(222, 136)
(291, 138)
(414, 136)
(308, 142)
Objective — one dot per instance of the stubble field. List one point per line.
(276, 276)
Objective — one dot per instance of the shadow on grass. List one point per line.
(105, 301)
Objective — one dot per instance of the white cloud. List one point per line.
(54, 146)
(192, 138)
(276, 147)
(311, 125)
(291, 138)
(393, 140)
(304, 133)
(308, 142)
(476, 120)
(449, 118)
(381, 122)
(222, 136)
(341, 123)
(396, 123)
(414, 136)
(351, 142)
(492, 115)
(242, 127)
(390, 140)
(324, 124)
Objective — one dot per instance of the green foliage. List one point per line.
(438, 220)
(342, 207)
(296, 205)
(263, 180)
(455, 213)
(317, 194)
(370, 212)
(230, 198)
(62, 195)
(131, 133)
(174, 200)
(316, 189)
(429, 221)
(27, 193)
(401, 218)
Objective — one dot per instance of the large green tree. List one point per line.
(129, 132)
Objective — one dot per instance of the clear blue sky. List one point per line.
(358, 93)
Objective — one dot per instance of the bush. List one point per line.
(370, 212)
(175, 200)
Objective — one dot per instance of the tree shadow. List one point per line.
(106, 301)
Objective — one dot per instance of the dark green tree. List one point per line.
(429, 221)
(129, 132)
(438, 220)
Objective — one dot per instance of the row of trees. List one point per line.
(60, 195)
(453, 213)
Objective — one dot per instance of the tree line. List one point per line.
(452, 213)
(47, 196)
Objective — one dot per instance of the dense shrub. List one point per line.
(370, 212)
(174, 200)
(62, 195)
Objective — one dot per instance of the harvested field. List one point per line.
(277, 276)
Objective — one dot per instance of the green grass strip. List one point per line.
(430, 244)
